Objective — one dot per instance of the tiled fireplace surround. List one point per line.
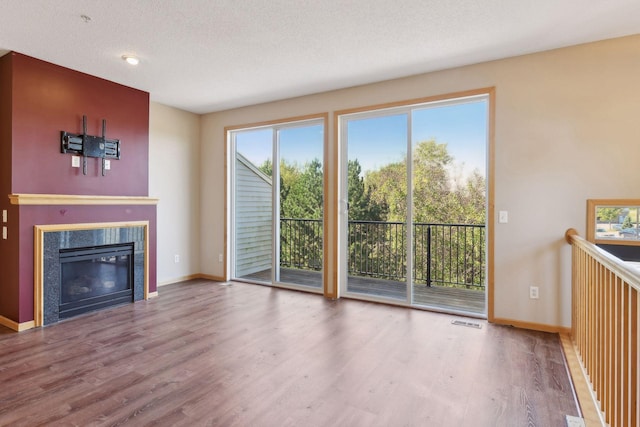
(50, 239)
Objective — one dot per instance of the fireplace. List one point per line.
(86, 267)
(94, 278)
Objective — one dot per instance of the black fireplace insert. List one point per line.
(93, 278)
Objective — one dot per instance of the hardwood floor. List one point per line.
(203, 353)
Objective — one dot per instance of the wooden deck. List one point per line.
(439, 297)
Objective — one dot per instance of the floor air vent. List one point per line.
(575, 421)
(467, 324)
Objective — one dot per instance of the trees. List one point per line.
(378, 214)
(438, 197)
(381, 195)
(609, 214)
(363, 205)
(301, 210)
(432, 183)
(301, 190)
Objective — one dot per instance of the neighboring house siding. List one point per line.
(253, 219)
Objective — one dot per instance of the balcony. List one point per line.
(448, 261)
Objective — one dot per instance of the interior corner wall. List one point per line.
(174, 178)
(9, 291)
(566, 130)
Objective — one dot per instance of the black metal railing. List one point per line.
(301, 243)
(449, 254)
(443, 254)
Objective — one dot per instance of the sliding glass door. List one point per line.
(376, 230)
(412, 204)
(277, 203)
(414, 187)
(449, 158)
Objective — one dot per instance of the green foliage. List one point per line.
(437, 198)
(301, 190)
(301, 201)
(388, 188)
(377, 217)
(627, 223)
(267, 167)
(608, 214)
(457, 253)
(468, 201)
(362, 206)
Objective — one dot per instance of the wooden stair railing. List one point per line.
(604, 329)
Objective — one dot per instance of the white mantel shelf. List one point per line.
(70, 199)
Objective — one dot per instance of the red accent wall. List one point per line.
(48, 99)
(39, 100)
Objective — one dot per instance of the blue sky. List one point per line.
(297, 145)
(463, 127)
(378, 141)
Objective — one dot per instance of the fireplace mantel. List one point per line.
(71, 199)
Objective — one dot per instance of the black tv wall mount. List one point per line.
(90, 146)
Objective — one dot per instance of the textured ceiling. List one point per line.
(211, 55)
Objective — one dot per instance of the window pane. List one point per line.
(377, 194)
(617, 223)
(301, 205)
(253, 204)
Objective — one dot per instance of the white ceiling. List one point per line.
(211, 55)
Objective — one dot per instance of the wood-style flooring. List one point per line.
(208, 354)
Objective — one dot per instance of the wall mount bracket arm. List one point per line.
(90, 146)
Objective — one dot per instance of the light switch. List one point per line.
(4, 233)
(75, 161)
(4, 215)
(503, 217)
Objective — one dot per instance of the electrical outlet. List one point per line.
(533, 292)
(4, 215)
(107, 164)
(220, 258)
(75, 161)
(176, 258)
(503, 217)
(4, 233)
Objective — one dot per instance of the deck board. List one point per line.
(439, 297)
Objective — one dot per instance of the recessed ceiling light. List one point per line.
(131, 60)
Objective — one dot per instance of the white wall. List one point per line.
(174, 177)
(567, 128)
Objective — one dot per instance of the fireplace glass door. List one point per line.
(95, 277)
